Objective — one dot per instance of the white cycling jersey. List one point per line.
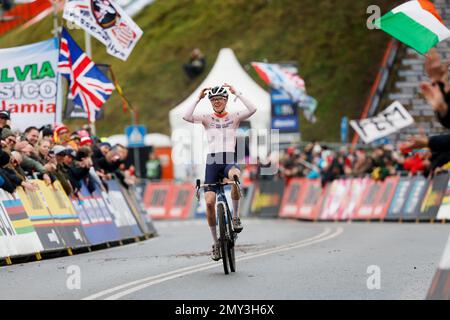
(221, 129)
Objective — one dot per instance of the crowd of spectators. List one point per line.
(55, 153)
(420, 154)
(320, 161)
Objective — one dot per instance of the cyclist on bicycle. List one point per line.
(221, 161)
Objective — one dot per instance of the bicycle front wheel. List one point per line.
(223, 237)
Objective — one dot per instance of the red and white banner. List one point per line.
(385, 197)
(166, 200)
(376, 199)
(355, 191)
(309, 203)
(182, 201)
(158, 198)
(292, 196)
(335, 199)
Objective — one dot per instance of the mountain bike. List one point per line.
(227, 237)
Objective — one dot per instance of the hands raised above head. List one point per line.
(203, 93)
(433, 94)
(230, 87)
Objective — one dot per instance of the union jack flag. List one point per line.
(89, 88)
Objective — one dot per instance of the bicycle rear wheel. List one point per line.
(230, 252)
(223, 238)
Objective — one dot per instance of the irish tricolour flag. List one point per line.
(416, 24)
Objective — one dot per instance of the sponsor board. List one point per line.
(267, 198)
(291, 198)
(123, 217)
(64, 214)
(157, 199)
(417, 191)
(97, 222)
(433, 197)
(309, 204)
(43, 222)
(399, 199)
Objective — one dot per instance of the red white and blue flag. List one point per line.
(89, 88)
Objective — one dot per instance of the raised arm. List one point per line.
(189, 115)
(439, 143)
(251, 108)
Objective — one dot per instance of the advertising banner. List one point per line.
(267, 198)
(376, 199)
(157, 199)
(137, 194)
(64, 214)
(136, 206)
(28, 83)
(385, 196)
(363, 210)
(17, 235)
(411, 209)
(97, 222)
(309, 203)
(335, 199)
(433, 198)
(245, 204)
(123, 217)
(400, 197)
(356, 190)
(182, 201)
(291, 198)
(444, 210)
(43, 222)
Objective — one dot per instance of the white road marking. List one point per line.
(149, 281)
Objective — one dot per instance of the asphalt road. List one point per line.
(276, 259)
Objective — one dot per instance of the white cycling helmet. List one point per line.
(218, 91)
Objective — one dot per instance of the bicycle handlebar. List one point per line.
(205, 185)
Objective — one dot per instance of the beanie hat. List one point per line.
(60, 129)
(85, 140)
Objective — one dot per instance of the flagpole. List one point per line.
(55, 30)
(88, 50)
(87, 42)
(59, 92)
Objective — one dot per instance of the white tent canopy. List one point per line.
(188, 150)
